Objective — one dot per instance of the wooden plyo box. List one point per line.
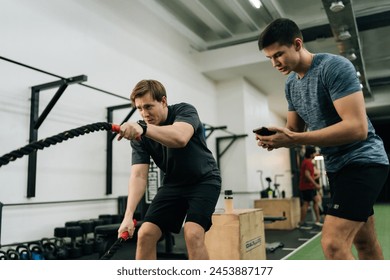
(277, 207)
(237, 236)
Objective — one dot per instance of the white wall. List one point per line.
(242, 108)
(115, 43)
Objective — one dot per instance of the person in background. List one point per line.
(173, 136)
(326, 109)
(309, 188)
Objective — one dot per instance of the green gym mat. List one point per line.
(312, 250)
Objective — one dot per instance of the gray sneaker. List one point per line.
(318, 224)
(304, 226)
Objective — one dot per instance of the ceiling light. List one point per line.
(255, 3)
(344, 35)
(336, 6)
(351, 56)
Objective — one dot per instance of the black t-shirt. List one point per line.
(190, 165)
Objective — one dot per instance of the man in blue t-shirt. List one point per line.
(326, 108)
(173, 136)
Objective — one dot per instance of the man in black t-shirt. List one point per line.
(173, 136)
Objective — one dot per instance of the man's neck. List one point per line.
(307, 59)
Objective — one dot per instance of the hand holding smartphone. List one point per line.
(263, 131)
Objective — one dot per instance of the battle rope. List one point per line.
(117, 244)
(47, 142)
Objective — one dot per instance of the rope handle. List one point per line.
(115, 128)
(125, 235)
(117, 244)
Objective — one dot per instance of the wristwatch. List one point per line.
(144, 126)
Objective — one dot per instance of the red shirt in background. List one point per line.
(304, 183)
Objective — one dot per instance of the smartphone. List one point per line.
(263, 131)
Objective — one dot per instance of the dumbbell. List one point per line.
(98, 241)
(107, 218)
(62, 248)
(87, 243)
(62, 245)
(74, 232)
(71, 223)
(117, 218)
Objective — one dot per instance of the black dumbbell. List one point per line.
(73, 233)
(60, 232)
(71, 223)
(107, 218)
(61, 243)
(87, 243)
(116, 219)
(62, 249)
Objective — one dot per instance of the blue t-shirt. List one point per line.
(192, 164)
(329, 78)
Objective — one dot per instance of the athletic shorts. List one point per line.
(354, 190)
(308, 195)
(172, 205)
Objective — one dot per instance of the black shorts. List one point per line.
(308, 195)
(172, 205)
(354, 190)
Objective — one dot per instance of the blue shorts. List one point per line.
(172, 205)
(354, 190)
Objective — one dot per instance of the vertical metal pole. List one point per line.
(32, 158)
(295, 170)
(1, 218)
(218, 153)
(109, 155)
(109, 145)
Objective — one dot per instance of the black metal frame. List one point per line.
(36, 120)
(110, 138)
(232, 139)
(209, 129)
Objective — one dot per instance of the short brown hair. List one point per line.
(155, 88)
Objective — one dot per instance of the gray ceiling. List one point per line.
(213, 25)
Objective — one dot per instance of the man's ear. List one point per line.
(164, 101)
(298, 44)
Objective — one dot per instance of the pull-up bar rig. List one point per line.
(36, 120)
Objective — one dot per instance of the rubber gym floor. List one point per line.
(298, 244)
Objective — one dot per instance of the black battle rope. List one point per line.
(117, 244)
(47, 142)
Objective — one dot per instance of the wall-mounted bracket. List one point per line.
(36, 120)
(210, 129)
(110, 138)
(232, 139)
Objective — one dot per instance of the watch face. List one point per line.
(144, 126)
